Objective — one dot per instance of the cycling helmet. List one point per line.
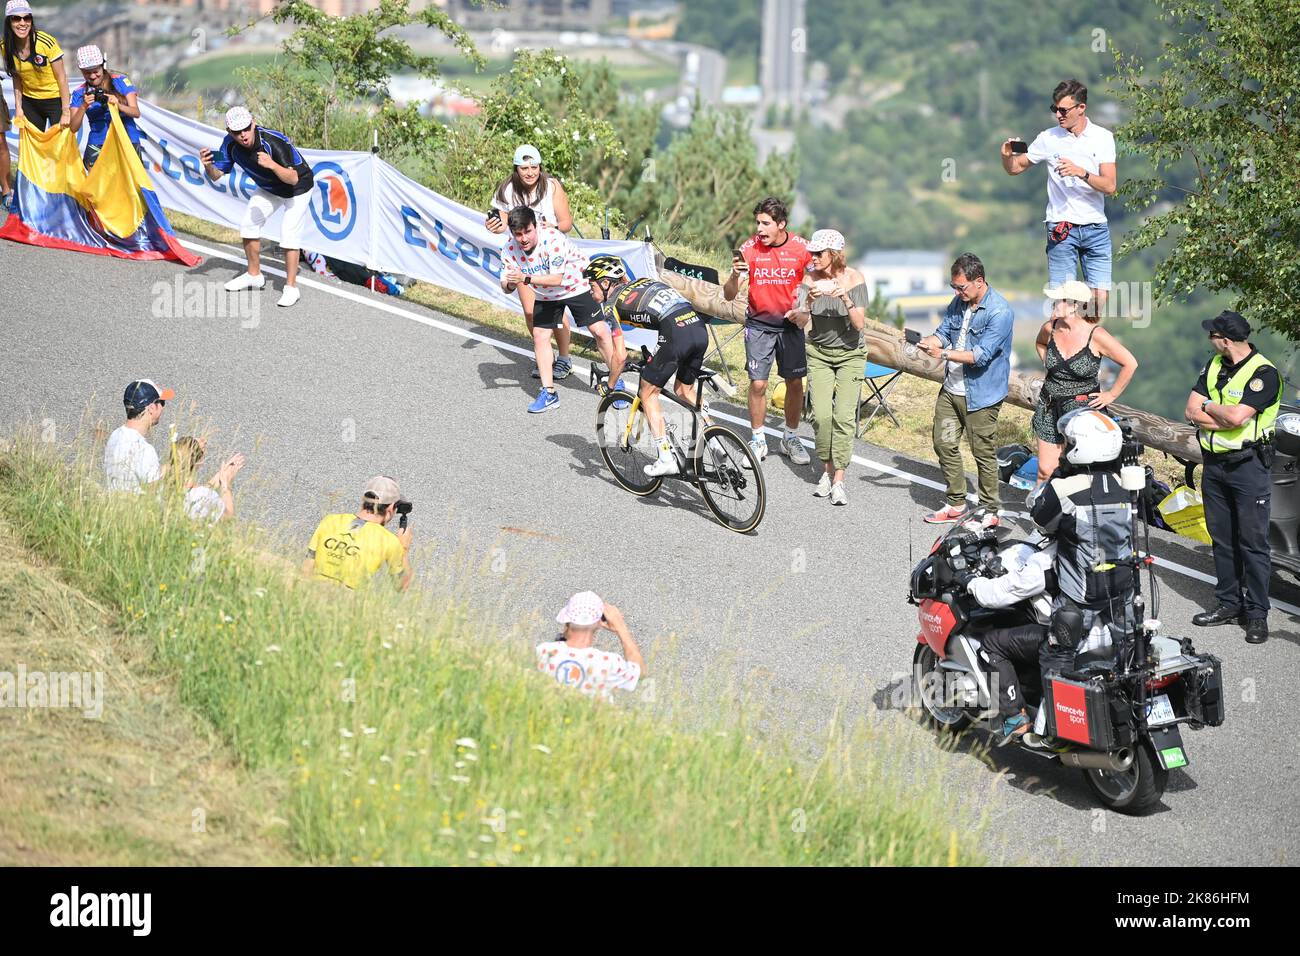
(1091, 438)
(605, 267)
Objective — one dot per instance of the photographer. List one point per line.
(574, 662)
(92, 100)
(351, 548)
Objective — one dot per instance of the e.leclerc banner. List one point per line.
(362, 210)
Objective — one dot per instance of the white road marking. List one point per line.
(374, 303)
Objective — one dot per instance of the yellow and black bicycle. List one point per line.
(713, 457)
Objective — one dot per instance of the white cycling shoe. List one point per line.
(661, 466)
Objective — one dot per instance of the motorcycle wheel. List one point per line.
(1136, 790)
(947, 720)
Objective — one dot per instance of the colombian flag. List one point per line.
(112, 211)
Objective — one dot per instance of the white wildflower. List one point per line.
(542, 748)
(344, 732)
(467, 742)
(458, 778)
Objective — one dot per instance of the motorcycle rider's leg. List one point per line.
(1005, 647)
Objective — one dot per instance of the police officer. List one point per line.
(1233, 407)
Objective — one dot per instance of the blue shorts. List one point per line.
(1088, 245)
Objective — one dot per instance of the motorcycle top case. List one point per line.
(1079, 711)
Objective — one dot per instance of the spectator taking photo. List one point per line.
(575, 661)
(284, 181)
(91, 102)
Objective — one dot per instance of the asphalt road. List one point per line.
(514, 512)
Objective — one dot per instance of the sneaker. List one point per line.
(1013, 728)
(241, 282)
(289, 296)
(795, 450)
(990, 521)
(946, 515)
(759, 447)
(661, 466)
(621, 404)
(823, 486)
(1043, 742)
(562, 369)
(544, 402)
(838, 497)
(8, 201)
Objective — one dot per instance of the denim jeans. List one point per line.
(1088, 245)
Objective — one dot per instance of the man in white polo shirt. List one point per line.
(574, 662)
(1081, 173)
(130, 462)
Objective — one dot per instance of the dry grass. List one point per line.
(148, 783)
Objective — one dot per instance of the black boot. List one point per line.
(1220, 615)
(1257, 630)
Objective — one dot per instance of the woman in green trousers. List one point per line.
(835, 297)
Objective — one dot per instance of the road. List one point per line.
(514, 512)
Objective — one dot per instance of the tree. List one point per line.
(335, 62)
(1223, 95)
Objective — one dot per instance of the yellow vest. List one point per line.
(1258, 427)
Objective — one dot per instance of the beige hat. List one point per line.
(383, 490)
(1074, 290)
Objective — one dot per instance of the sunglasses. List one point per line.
(26, 18)
(1062, 110)
(1217, 335)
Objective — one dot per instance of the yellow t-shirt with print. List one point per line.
(350, 551)
(36, 74)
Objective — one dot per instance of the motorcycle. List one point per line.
(1116, 715)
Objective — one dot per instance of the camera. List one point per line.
(403, 508)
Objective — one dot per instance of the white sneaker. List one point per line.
(289, 296)
(838, 497)
(241, 282)
(661, 466)
(759, 447)
(794, 449)
(823, 486)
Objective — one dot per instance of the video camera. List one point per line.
(403, 508)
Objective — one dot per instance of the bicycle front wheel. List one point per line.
(731, 479)
(626, 442)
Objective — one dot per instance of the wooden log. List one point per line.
(886, 346)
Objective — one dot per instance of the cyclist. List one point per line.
(683, 340)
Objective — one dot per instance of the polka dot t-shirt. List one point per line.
(589, 669)
(554, 253)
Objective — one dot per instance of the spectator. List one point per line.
(833, 298)
(974, 340)
(284, 181)
(574, 662)
(130, 462)
(1234, 405)
(540, 257)
(775, 262)
(532, 186)
(1081, 173)
(351, 548)
(35, 61)
(6, 187)
(91, 101)
(1072, 381)
(213, 501)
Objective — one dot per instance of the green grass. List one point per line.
(447, 748)
(219, 71)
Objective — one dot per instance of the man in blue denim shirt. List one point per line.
(974, 340)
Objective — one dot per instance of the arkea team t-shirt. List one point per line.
(774, 276)
(553, 254)
(595, 672)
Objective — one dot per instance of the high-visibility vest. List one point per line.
(1259, 427)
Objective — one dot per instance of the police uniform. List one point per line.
(1236, 483)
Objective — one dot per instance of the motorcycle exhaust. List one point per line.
(1116, 762)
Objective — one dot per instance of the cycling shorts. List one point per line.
(680, 353)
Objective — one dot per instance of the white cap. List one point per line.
(383, 490)
(238, 118)
(584, 609)
(1074, 290)
(89, 57)
(826, 239)
(527, 155)
(18, 8)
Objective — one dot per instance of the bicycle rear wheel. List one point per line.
(730, 479)
(626, 443)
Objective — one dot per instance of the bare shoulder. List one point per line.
(854, 277)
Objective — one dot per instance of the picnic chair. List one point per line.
(711, 322)
(876, 400)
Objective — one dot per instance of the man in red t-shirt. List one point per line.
(775, 261)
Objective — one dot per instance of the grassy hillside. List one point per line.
(402, 732)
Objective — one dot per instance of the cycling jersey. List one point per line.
(554, 254)
(650, 304)
(276, 145)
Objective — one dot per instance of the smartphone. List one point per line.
(911, 336)
(737, 254)
(494, 213)
(1019, 146)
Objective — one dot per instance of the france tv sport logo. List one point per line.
(334, 204)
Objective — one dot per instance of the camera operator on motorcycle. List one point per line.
(1091, 516)
(1030, 576)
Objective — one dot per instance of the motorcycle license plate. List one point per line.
(1161, 712)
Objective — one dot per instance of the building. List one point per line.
(905, 272)
(784, 50)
